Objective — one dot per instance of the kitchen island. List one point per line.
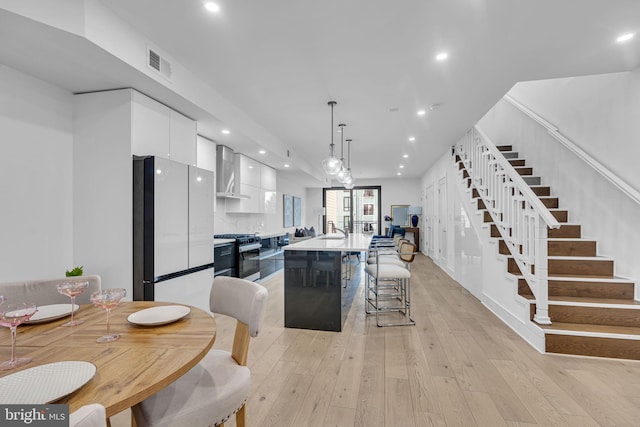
(313, 273)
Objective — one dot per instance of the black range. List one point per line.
(246, 256)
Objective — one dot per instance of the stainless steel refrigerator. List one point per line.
(172, 231)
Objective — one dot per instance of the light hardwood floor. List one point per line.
(459, 366)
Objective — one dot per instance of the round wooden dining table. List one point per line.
(143, 361)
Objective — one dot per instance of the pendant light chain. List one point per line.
(331, 164)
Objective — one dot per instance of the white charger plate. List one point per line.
(47, 313)
(45, 383)
(158, 315)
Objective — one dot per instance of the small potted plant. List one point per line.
(77, 271)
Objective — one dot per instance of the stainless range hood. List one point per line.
(225, 169)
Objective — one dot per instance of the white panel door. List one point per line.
(201, 199)
(171, 217)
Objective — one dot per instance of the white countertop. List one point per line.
(222, 241)
(333, 242)
(273, 234)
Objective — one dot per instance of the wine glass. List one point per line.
(108, 299)
(72, 290)
(12, 315)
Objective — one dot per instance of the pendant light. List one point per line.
(331, 164)
(349, 180)
(342, 172)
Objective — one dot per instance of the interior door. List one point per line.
(429, 220)
(442, 221)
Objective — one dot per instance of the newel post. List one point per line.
(542, 273)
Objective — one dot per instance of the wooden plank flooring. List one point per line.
(459, 366)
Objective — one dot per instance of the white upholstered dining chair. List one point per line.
(218, 386)
(93, 415)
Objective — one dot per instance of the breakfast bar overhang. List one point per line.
(313, 291)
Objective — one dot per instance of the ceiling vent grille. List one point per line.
(158, 63)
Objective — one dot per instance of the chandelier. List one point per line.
(331, 164)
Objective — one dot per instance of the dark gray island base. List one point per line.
(314, 296)
(313, 290)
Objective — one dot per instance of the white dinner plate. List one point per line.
(45, 383)
(47, 313)
(158, 315)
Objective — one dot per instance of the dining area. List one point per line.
(72, 342)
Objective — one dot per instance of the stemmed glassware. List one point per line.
(12, 315)
(108, 299)
(72, 290)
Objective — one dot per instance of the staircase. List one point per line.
(593, 312)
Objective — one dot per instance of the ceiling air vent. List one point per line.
(158, 63)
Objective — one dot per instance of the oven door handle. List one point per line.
(250, 247)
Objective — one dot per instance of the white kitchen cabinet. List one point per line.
(205, 154)
(268, 201)
(183, 139)
(157, 130)
(252, 204)
(150, 127)
(267, 178)
(247, 170)
(206, 159)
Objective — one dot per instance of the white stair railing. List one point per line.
(519, 215)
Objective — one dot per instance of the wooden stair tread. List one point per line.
(611, 279)
(579, 258)
(572, 278)
(588, 302)
(591, 329)
(595, 301)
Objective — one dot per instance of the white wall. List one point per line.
(36, 221)
(605, 213)
(598, 113)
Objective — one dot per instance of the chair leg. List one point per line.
(240, 417)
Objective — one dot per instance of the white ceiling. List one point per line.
(279, 62)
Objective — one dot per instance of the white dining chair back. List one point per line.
(44, 292)
(92, 415)
(218, 386)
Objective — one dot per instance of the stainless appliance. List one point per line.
(225, 259)
(248, 254)
(172, 230)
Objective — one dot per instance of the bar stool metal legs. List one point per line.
(388, 288)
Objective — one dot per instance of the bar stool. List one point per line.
(390, 282)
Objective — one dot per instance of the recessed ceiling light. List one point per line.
(401, 166)
(625, 37)
(422, 112)
(212, 7)
(405, 155)
(399, 174)
(411, 138)
(250, 167)
(442, 56)
(262, 152)
(286, 165)
(226, 131)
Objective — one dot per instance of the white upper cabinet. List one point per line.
(150, 127)
(206, 154)
(206, 159)
(247, 170)
(267, 178)
(183, 139)
(157, 130)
